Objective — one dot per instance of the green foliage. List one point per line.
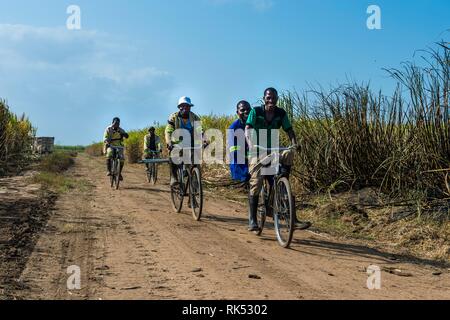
(55, 182)
(95, 149)
(51, 174)
(16, 138)
(58, 161)
(353, 138)
(134, 145)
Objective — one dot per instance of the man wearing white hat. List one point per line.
(183, 119)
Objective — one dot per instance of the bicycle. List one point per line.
(276, 200)
(190, 185)
(152, 168)
(115, 167)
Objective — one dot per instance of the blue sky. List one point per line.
(134, 59)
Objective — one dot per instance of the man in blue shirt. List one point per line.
(238, 148)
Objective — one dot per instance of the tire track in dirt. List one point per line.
(23, 215)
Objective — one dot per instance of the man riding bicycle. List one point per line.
(152, 145)
(113, 137)
(268, 117)
(183, 119)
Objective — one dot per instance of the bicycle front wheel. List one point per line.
(196, 193)
(447, 183)
(154, 177)
(284, 212)
(149, 173)
(113, 172)
(263, 205)
(177, 193)
(117, 173)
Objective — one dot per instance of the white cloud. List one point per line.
(94, 54)
(259, 5)
(262, 5)
(68, 75)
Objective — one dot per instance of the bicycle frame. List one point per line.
(276, 202)
(189, 185)
(115, 165)
(271, 180)
(154, 153)
(186, 168)
(115, 149)
(152, 169)
(272, 152)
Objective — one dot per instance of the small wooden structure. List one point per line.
(44, 145)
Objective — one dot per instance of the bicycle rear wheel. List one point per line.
(196, 193)
(284, 212)
(177, 192)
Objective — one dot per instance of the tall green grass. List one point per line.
(134, 145)
(95, 149)
(352, 137)
(16, 138)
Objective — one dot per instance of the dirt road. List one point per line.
(129, 244)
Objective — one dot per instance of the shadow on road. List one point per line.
(346, 251)
(147, 189)
(326, 248)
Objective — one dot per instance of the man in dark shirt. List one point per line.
(269, 117)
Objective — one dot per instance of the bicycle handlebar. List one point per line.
(154, 161)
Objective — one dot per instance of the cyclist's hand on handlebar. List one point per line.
(297, 147)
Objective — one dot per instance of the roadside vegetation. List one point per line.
(52, 173)
(70, 148)
(95, 149)
(16, 138)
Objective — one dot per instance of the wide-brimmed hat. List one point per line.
(185, 100)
